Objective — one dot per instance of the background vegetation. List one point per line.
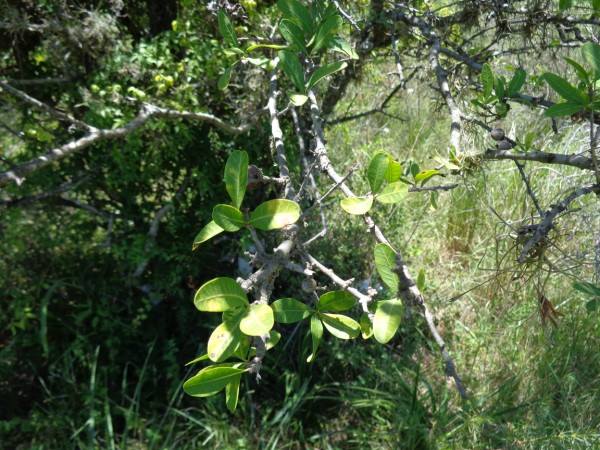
(93, 353)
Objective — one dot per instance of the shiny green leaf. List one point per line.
(258, 320)
(236, 176)
(336, 301)
(342, 327)
(220, 294)
(228, 217)
(388, 316)
(232, 393)
(210, 230)
(290, 310)
(316, 334)
(274, 214)
(326, 32)
(357, 205)
(377, 170)
(392, 193)
(225, 338)
(211, 380)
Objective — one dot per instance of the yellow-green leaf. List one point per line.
(316, 334)
(220, 294)
(366, 327)
(258, 320)
(336, 301)
(225, 338)
(228, 217)
(236, 176)
(357, 205)
(274, 214)
(377, 170)
(232, 392)
(342, 327)
(211, 380)
(210, 230)
(392, 193)
(388, 316)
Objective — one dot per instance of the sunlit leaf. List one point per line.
(228, 217)
(336, 301)
(392, 193)
(326, 32)
(342, 327)
(210, 230)
(220, 294)
(295, 11)
(298, 99)
(394, 171)
(366, 327)
(377, 170)
(225, 338)
(316, 334)
(388, 316)
(236, 176)
(232, 392)
(425, 175)
(357, 205)
(258, 320)
(323, 72)
(274, 214)
(211, 380)
(198, 359)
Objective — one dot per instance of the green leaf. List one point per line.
(295, 11)
(565, 89)
(388, 316)
(425, 175)
(225, 338)
(591, 54)
(226, 29)
(385, 262)
(357, 205)
(258, 320)
(241, 350)
(210, 230)
(232, 393)
(223, 81)
(257, 46)
(316, 334)
(487, 79)
(290, 310)
(293, 34)
(291, 66)
(587, 288)
(581, 72)
(298, 99)
(377, 170)
(421, 280)
(342, 46)
(274, 338)
(565, 4)
(236, 176)
(342, 327)
(323, 72)
(227, 217)
(326, 32)
(517, 82)
(197, 359)
(392, 193)
(336, 301)
(220, 294)
(366, 327)
(211, 380)
(274, 214)
(563, 109)
(394, 171)
(592, 305)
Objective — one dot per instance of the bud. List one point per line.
(497, 134)
(504, 144)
